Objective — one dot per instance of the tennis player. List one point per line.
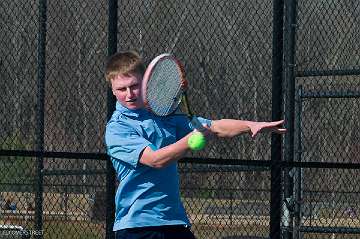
(144, 150)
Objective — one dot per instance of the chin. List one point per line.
(133, 106)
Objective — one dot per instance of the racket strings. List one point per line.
(164, 87)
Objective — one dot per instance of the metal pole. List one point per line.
(298, 182)
(41, 61)
(110, 175)
(276, 154)
(289, 57)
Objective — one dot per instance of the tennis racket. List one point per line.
(164, 88)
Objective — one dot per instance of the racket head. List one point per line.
(163, 84)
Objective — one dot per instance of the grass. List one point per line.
(204, 230)
(81, 230)
(207, 224)
(64, 229)
(15, 170)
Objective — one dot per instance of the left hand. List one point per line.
(274, 127)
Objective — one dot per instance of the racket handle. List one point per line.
(197, 124)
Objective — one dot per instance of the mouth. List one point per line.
(131, 100)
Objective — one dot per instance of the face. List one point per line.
(127, 90)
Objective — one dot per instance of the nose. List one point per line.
(130, 93)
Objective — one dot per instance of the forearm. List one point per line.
(166, 155)
(230, 127)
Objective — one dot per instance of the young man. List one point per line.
(144, 150)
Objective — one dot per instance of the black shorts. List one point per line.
(160, 232)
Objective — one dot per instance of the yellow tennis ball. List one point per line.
(197, 141)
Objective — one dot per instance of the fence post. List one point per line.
(276, 155)
(298, 182)
(40, 118)
(110, 175)
(289, 64)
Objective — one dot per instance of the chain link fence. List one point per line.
(323, 73)
(54, 177)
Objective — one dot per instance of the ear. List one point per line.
(111, 86)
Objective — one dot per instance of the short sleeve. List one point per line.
(124, 143)
(203, 121)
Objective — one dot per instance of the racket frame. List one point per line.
(150, 70)
(183, 85)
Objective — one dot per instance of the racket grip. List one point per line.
(197, 124)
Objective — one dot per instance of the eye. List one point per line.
(134, 86)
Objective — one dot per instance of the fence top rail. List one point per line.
(329, 94)
(52, 154)
(318, 229)
(240, 164)
(330, 72)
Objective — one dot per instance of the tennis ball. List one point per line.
(197, 141)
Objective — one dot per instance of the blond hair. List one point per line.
(124, 63)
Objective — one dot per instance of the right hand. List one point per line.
(206, 132)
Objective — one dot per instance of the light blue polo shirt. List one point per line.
(145, 196)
